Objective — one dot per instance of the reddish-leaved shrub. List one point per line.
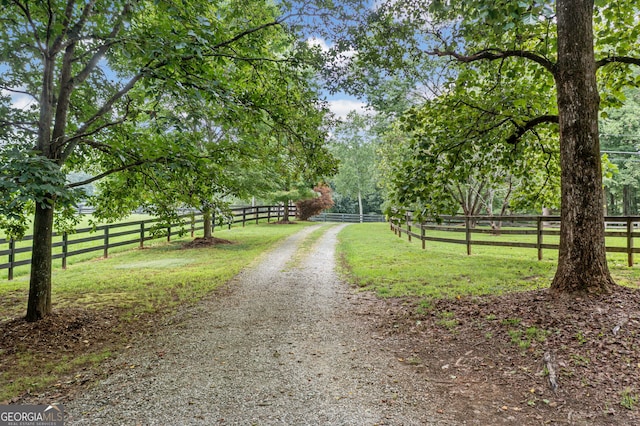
(307, 208)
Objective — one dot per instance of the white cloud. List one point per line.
(18, 100)
(22, 101)
(342, 107)
(341, 58)
(319, 42)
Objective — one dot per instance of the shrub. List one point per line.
(311, 207)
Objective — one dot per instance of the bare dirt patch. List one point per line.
(38, 349)
(496, 357)
(284, 222)
(205, 242)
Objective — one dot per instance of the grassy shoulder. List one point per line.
(375, 258)
(123, 291)
(484, 322)
(57, 250)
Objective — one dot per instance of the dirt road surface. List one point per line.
(282, 344)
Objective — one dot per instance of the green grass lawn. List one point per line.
(151, 279)
(132, 230)
(375, 258)
(24, 269)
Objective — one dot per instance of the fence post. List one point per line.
(256, 209)
(142, 234)
(65, 240)
(408, 217)
(422, 236)
(629, 242)
(12, 257)
(106, 241)
(467, 232)
(539, 226)
(268, 214)
(244, 215)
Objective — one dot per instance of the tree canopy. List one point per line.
(354, 143)
(109, 84)
(511, 74)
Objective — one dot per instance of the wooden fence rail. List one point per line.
(617, 227)
(348, 218)
(105, 237)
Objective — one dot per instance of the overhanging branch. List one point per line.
(107, 173)
(492, 55)
(530, 125)
(618, 59)
(101, 112)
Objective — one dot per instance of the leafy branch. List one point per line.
(494, 54)
(529, 125)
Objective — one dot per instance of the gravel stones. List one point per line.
(281, 346)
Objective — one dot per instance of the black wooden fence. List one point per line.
(620, 232)
(106, 237)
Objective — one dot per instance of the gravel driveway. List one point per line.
(282, 345)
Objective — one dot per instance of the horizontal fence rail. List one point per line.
(105, 237)
(524, 232)
(348, 218)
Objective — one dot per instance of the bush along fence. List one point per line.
(534, 232)
(106, 237)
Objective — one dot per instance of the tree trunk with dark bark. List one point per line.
(582, 261)
(39, 304)
(206, 216)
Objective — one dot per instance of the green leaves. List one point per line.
(145, 92)
(456, 147)
(354, 143)
(27, 178)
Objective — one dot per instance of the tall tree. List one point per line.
(556, 43)
(90, 67)
(355, 146)
(460, 148)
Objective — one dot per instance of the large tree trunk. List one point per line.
(582, 261)
(39, 304)
(360, 209)
(206, 216)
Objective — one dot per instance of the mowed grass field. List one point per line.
(135, 284)
(24, 269)
(374, 258)
(159, 276)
